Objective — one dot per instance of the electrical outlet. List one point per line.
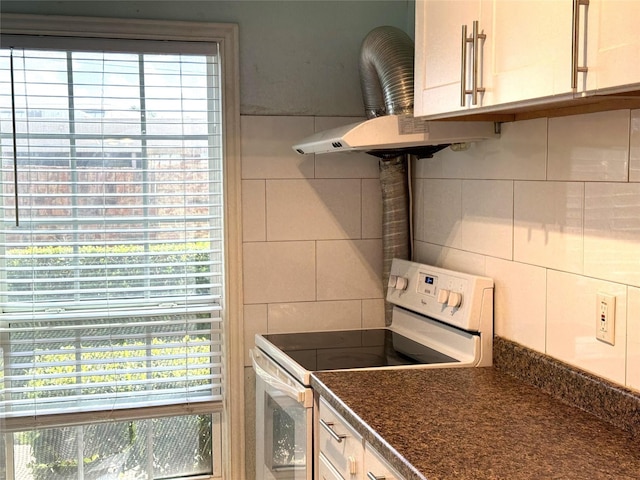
(606, 318)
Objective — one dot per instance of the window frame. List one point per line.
(226, 35)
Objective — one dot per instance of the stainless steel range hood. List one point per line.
(391, 133)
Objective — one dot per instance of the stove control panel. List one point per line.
(427, 284)
(459, 299)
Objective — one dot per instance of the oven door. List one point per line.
(284, 420)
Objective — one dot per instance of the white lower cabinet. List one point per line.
(339, 444)
(326, 471)
(342, 452)
(376, 467)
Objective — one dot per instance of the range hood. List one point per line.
(389, 134)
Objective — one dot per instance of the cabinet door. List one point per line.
(377, 467)
(532, 50)
(438, 59)
(614, 44)
(339, 443)
(326, 471)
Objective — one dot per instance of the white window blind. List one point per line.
(112, 263)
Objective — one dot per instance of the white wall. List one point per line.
(296, 57)
(551, 211)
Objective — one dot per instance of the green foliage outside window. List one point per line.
(109, 447)
(116, 268)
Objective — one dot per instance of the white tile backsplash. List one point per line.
(314, 316)
(487, 217)
(313, 209)
(312, 228)
(634, 147)
(279, 272)
(510, 208)
(590, 147)
(371, 208)
(519, 153)
(571, 324)
(573, 229)
(255, 321)
(548, 224)
(439, 212)
(633, 339)
(449, 258)
(254, 223)
(373, 313)
(346, 165)
(612, 231)
(519, 313)
(267, 147)
(349, 269)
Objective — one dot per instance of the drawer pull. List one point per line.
(353, 465)
(328, 426)
(372, 476)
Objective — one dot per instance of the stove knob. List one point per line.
(443, 296)
(399, 283)
(455, 299)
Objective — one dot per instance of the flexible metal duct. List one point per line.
(395, 218)
(386, 72)
(386, 78)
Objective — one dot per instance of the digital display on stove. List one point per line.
(427, 284)
(335, 350)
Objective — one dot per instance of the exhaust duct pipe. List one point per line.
(386, 72)
(386, 79)
(396, 224)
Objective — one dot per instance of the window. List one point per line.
(114, 218)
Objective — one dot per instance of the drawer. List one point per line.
(339, 443)
(376, 467)
(326, 471)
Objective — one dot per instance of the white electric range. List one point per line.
(441, 319)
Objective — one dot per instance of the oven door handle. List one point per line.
(262, 366)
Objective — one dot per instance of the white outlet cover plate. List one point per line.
(606, 318)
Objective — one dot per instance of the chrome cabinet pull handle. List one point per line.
(474, 40)
(475, 59)
(371, 476)
(575, 40)
(328, 426)
(463, 67)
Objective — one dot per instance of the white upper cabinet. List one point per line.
(526, 53)
(532, 50)
(439, 66)
(614, 45)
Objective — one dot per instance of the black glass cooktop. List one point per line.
(316, 351)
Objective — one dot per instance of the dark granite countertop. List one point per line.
(477, 424)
